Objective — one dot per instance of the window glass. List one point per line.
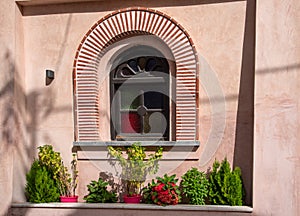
(140, 106)
(129, 98)
(153, 100)
(130, 122)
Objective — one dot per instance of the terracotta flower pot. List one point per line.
(68, 199)
(132, 199)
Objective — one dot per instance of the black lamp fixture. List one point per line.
(49, 76)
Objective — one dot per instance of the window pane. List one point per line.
(129, 98)
(133, 65)
(155, 122)
(130, 123)
(151, 63)
(153, 100)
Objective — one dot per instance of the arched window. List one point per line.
(140, 103)
(98, 51)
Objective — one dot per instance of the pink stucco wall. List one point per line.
(52, 36)
(276, 143)
(35, 38)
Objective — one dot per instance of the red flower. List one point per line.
(159, 187)
(165, 192)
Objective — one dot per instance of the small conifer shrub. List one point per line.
(40, 186)
(226, 186)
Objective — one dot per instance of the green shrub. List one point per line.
(194, 187)
(226, 186)
(98, 193)
(40, 186)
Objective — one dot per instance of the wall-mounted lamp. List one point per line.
(49, 76)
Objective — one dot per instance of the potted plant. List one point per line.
(68, 182)
(194, 186)
(98, 192)
(135, 168)
(65, 181)
(164, 191)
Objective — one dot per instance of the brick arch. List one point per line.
(123, 23)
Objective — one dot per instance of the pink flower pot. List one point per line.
(68, 199)
(132, 199)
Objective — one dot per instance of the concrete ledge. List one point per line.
(194, 143)
(118, 206)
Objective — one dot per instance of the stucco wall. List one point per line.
(8, 107)
(223, 31)
(52, 35)
(277, 163)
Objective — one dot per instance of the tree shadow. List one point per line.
(22, 114)
(243, 150)
(117, 185)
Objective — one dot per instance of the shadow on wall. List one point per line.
(21, 114)
(117, 185)
(243, 150)
(103, 6)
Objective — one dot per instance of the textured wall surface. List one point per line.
(249, 92)
(52, 36)
(8, 133)
(276, 152)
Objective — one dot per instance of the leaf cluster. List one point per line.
(52, 160)
(98, 192)
(226, 186)
(40, 186)
(164, 191)
(195, 186)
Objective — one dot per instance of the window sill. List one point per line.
(118, 206)
(174, 150)
(143, 143)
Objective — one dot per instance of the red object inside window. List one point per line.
(130, 123)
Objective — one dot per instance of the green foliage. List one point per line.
(40, 186)
(162, 192)
(52, 160)
(226, 186)
(98, 193)
(147, 192)
(135, 166)
(195, 186)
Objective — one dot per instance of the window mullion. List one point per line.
(142, 101)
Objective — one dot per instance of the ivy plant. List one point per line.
(226, 186)
(194, 187)
(98, 192)
(40, 186)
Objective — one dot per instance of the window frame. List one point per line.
(143, 79)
